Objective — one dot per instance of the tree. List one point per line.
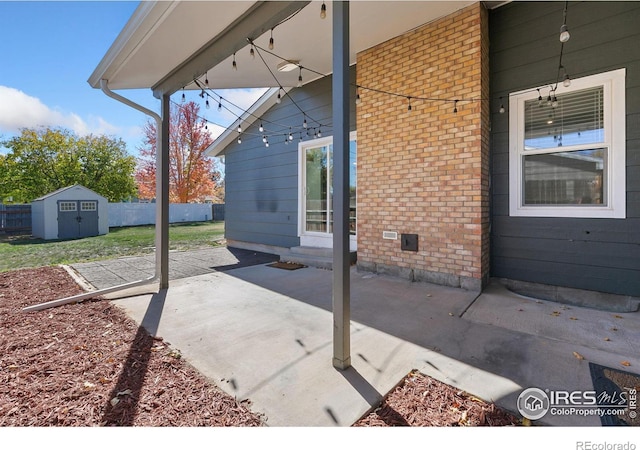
(193, 176)
(44, 160)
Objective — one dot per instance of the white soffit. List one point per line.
(173, 31)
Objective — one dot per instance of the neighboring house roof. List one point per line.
(61, 190)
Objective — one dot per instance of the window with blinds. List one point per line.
(567, 156)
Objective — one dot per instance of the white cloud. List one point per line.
(19, 110)
(242, 98)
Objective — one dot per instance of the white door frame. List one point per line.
(314, 238)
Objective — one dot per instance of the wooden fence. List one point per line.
(15, 219)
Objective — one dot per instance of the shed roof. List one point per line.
(64, 189)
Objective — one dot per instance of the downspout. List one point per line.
(158, 269)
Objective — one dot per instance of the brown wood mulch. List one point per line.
(421, 401)
(87, 364)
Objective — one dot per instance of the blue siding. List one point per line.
(593, 254)
(262, 183)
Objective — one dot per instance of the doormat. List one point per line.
(618, 389)
(286, 265)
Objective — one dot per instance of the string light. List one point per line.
(206, 78)
(501, 106)
(304, 122)
(290, 135)
(279, 99)
(183, 96)
(239, 127)
(319, 132)
(234, 64)
(455, 106)
(261, 127)
(239, 140)
(323, 11)
(539, 98)
(358, 101)
(300, 78)
(264, 138)
(271, 40)
(564, 30)
(207, 105)
(252, 53)
(409, 107)
(220, 104)
(567, 80)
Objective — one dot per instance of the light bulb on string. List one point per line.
(252, 53)
(183, 96)
(323, 11)
(300, 78)
(554, 102)
(455, 106)
(206, 104)
(201, 93)
(266, 144)
(206, 79)
(409, 107)
(564, 33)
(358, 100)
(279, 99)
(239, 128)
(501, 110)
(264, 138)
(567, 80)
(239, 140)
(286, 140)
(261, 127)
(271, 40)
(539, 98)
(234, 64)
(304, 122)
(319, 132)
(549, 99)
(290, 135)
(220, 104)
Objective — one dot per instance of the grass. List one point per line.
(18, 252)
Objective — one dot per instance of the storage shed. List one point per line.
(69, 213)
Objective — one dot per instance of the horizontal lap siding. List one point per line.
(594, 254)
(262, 183)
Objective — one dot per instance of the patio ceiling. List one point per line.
(165, 45)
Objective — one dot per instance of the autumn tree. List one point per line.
(193, 176)
(43, 160)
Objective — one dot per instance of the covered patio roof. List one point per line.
(166, 45)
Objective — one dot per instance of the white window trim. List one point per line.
(315, 238)
(615, 138)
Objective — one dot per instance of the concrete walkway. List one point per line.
(265, 334)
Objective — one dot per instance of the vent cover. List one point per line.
(390, 235)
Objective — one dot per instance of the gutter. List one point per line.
(156, 276)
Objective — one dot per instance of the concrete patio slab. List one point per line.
(265, 334)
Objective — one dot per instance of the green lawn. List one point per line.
(20, 252)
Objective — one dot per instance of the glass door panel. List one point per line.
(316, 189)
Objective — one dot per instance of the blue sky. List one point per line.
(49, 49)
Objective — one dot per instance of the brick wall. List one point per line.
(426, 171)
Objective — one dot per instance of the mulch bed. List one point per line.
(421, 401)
(87, 364)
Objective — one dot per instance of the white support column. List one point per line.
(341, 260)
(162, 195)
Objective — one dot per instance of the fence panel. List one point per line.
(15, 218)
(132, 214)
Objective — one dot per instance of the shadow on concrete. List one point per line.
(244, 258)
